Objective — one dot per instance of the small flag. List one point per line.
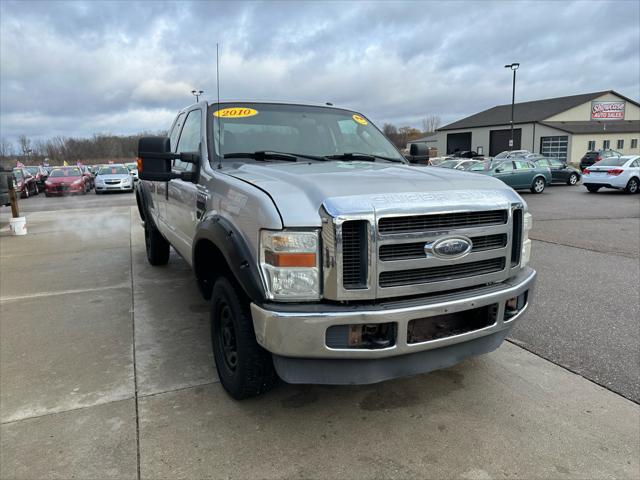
(65, 164)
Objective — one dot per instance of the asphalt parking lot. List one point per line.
(106, 369)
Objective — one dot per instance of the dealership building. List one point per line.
(564, 127)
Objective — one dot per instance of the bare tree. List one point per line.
(407, 134)
(6, 148)
(25, 144)
(430, 123)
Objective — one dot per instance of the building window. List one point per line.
(606, 144)
(634, 143)
(620, 144)
(554, 147)
(592, 145)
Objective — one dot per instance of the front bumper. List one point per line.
(298, 338)
(114, 188)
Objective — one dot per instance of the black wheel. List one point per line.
(538, 185)
(592, 188)
(632, 186)
(573, 179)
(26, 191)
(156, 245)
(244, 367)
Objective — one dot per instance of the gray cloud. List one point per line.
(77, 68)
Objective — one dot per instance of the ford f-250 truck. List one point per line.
(327, 258)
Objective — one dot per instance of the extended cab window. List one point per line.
(189, 140)
(175, 132)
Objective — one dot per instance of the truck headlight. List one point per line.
(525, 255)
(290, 264)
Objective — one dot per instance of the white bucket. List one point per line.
(18, 226)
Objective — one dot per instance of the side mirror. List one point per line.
(154, 160)
(418, 150)
(498, 170)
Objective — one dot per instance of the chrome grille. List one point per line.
(422, 223)
(439, 274)
(407, 251)
(354, 250)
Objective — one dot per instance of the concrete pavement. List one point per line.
(106, 372)
(586, 250)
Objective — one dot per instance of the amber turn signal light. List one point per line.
(278, 259)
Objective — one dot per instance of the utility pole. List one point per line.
(513, 67)
(197, 93)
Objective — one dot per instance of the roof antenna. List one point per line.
(218, 106)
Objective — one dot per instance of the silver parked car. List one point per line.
(113, 178)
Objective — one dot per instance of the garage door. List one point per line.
(458, 142)
(554, 147)
(499, 140)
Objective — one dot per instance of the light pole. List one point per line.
(197, 93)
(513, 67)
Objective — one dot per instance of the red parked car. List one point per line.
(25, 185)
(65, 181)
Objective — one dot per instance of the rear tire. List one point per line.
(538, 185)
(573, 179)
(156, 245)
(632, 186)
(245, 368)
(592, 189)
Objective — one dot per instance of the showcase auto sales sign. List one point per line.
(607, 110)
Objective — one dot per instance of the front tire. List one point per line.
(632, 186)
(592, 189)
(573, 179)
(245, 368)
(538, 185)
(156, 245)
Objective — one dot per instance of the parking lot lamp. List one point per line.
(197, 93)
(513, 67)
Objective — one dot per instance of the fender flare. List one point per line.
(143, 199)
(239, 258)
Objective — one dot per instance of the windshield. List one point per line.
(18, 174)
(130, 166)
(480, 166)
(296, 129)
(449, 163)
(612, 162)
(113, 170)
(65, 172)
(32, 170)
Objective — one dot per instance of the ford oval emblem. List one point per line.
(452, 247)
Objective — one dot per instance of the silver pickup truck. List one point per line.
(327, 258)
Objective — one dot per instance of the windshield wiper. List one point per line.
(262, 155)
(359, 156)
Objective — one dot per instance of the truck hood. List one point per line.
(299, 190)
(63, 180)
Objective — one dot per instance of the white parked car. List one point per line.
(622, 173)
(512, 154)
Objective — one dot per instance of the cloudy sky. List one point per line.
(78, 68)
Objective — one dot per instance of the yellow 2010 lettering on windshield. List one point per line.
(235, 112)
(360, 119)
